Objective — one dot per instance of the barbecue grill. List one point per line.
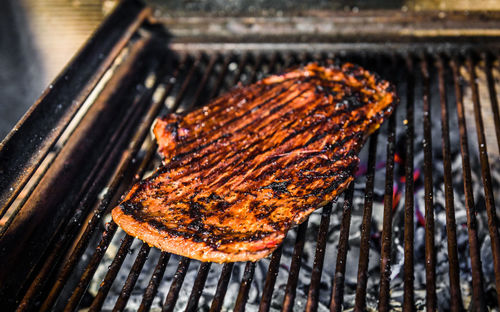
(417, 229)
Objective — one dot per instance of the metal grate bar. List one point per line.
(408, 302)
(187, 82)
(173, 293)
(493, 96)
(293, 276)
(221, 77)
(246, 282)
(272, 273)
(289, 59)
(385, 256)
(241, 67)
(451, 226)
(111, 274)
(360, 300)
(221, 290)
(203, 82)
(135, 271)
(273, 62)
(486, 175)
(259, 62)
(257, 65)
(107, 236)
(478, 302)
(342, 248)
(313, 293)
(154, 282)
(430, 251)
(198, 286)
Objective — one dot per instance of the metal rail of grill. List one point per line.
(56, 273)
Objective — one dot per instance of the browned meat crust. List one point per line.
(241, 171)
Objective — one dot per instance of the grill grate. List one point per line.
(192, 79)
(387, 239)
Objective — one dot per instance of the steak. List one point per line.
(239, 172)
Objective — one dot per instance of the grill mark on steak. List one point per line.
(253, 154)
(215, 237)
(234, 96)
(250, 94)
(242, 170)
(197, 148)
(190, 152)
(240, 153)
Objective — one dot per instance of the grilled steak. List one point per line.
(239, 172)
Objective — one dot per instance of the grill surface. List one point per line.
(377, 247)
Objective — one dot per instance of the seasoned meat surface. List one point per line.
(239, 172)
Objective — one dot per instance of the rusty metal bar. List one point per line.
(176, 285)
(486, 175)
(364, 248)
(112, 273)
(221, 77)
(430, 252)
(198, 286)
(456, 304)
(203, 82)
(187, 81)
(293, 276)
(154, 282)
(385, 256)
(246, 282)
(408, 302)
(478, 303)
(337, 295)
(319, 257)
(257, 65)
(493, 96)
(133, 275)
(107, 236)
(272, 273)
(241, 68)
(221, 290)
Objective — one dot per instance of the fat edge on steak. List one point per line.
(239, 172)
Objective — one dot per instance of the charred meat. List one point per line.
(239, 172)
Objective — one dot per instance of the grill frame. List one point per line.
(50, 274)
